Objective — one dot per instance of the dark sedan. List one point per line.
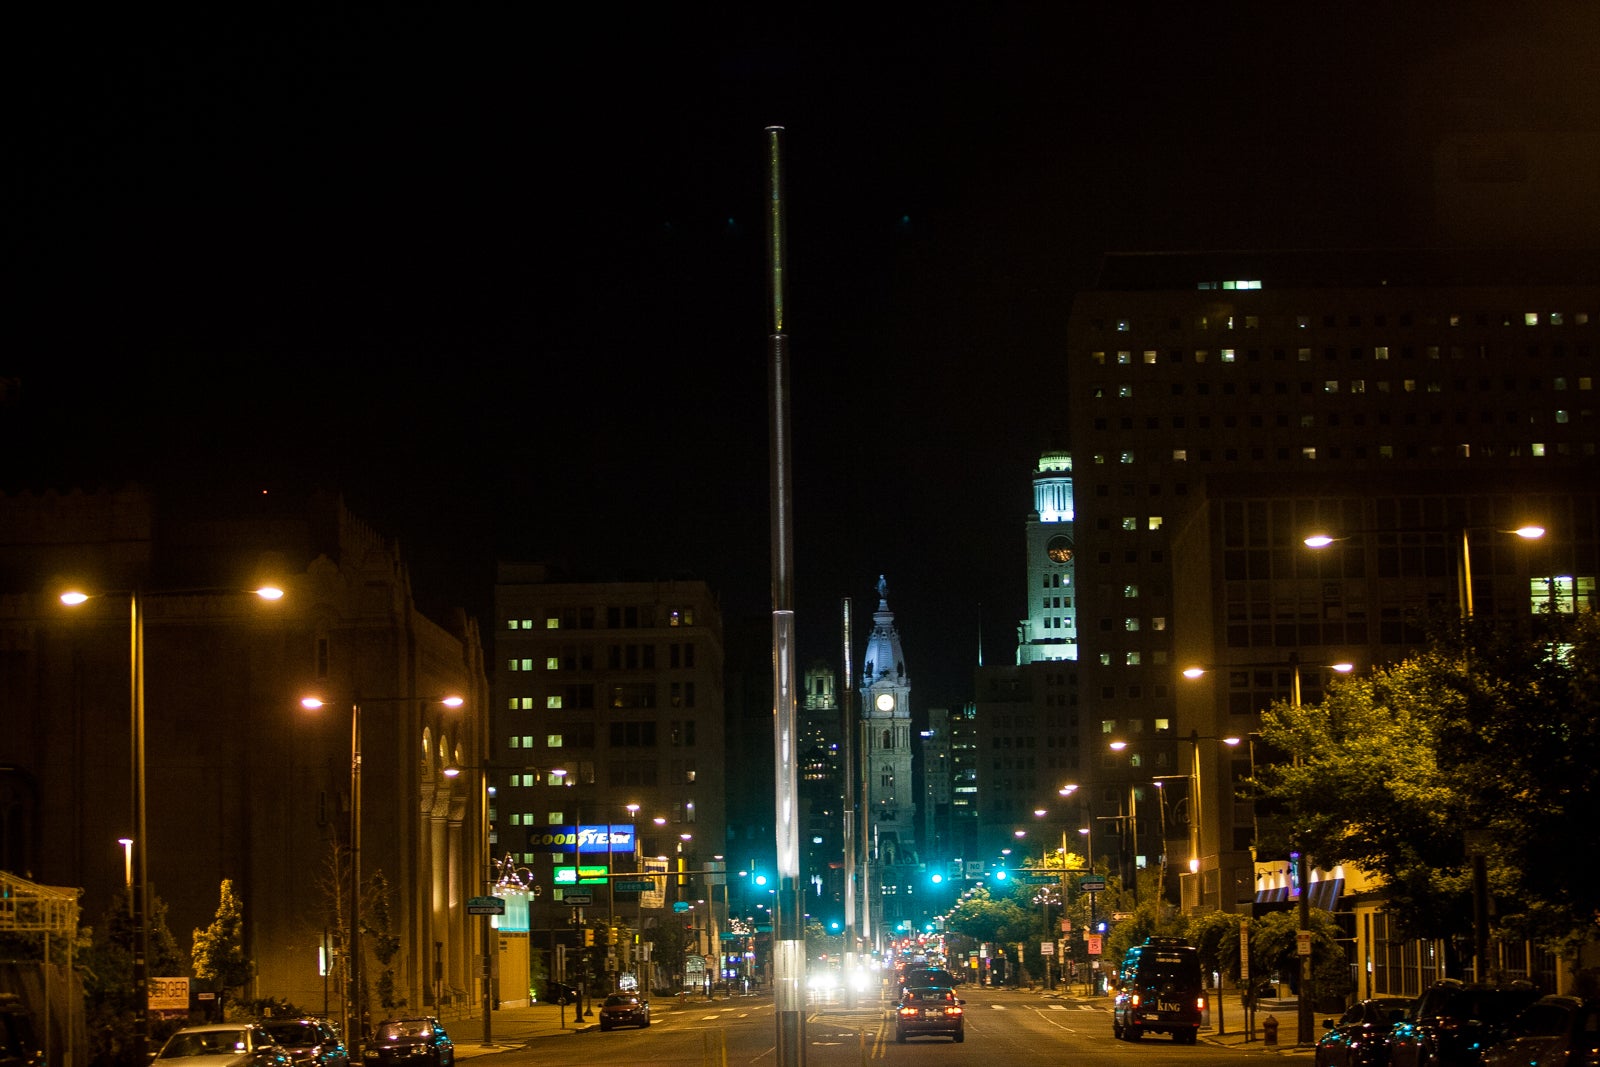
(418, 1041)
(1360, 1037)
(309, 1042)
(930, 1011)
(1454, 1022)
(1555, 1031)
(624, 1009)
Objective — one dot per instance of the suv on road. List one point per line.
(1159, 990)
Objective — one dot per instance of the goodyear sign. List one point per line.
(588, 840)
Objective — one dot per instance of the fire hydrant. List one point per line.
(1269, 1030)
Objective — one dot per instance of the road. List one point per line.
(1004, 1027)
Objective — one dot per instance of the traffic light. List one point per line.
(588, 937)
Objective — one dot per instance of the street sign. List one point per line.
(1041, 879)
(1092, 885)
(485, 906)
(577, 898)
(635, 887)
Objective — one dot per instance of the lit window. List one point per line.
(1122, 326)
(1154, 522)
(1537, 448)
(1131, 625)
(1227, 355)
(1386, 451)
(1555, 318)
(1131, 659)
(1585, 384)
(1409, 385)
(1105, 659)
(1158, 623)
(1381, 352)
(1302, 322)
(1308, 452)
(1129, 522)
(552, 623)
(1125, 457)
(1149, 355)
(1561, 415)
(1130, 591)
(1303, 355)
(1330, 387)
(1098, 357)
(1530, 318)
(1124, 358)
(1200, 355)
(1125, 392)
(1180, 455)
(549, 702)
(552, 663)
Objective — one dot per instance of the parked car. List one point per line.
(1159, 990)
(624, 1009)
(412, 1041)
(1360, 1037)
(930, 1011)
(1554, 1031)
(309, 1042)
(1454, 1022)
(222, 1045)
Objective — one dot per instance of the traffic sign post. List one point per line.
(486, 906)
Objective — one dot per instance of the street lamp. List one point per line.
(355, 1028)
(139, 884)
(1527, 531)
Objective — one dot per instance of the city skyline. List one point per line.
(505, 295)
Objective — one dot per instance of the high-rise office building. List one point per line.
(1224, 407)
(619, 687)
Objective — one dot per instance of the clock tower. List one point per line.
(891, 807)
(1050, 632)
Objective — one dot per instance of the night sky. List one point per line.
(497, 273)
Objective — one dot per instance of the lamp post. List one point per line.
(139, 882)
(354, 1024)
(1527, 531)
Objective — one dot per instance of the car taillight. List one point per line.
(1134, 1000)
(952, 1010)
(908, 1011)
(1200, 1002)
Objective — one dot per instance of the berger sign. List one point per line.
(589, 840)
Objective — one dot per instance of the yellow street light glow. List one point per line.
(1529, 533)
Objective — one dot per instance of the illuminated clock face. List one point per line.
(885, 702)
(1059, 550)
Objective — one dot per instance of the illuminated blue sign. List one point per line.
(589, 840)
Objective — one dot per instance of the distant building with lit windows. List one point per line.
(1224, 407)
(619, 685)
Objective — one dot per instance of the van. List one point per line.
(1159, 990)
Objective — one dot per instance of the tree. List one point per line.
(219, 949)
(1485, 744)
(378, 912)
